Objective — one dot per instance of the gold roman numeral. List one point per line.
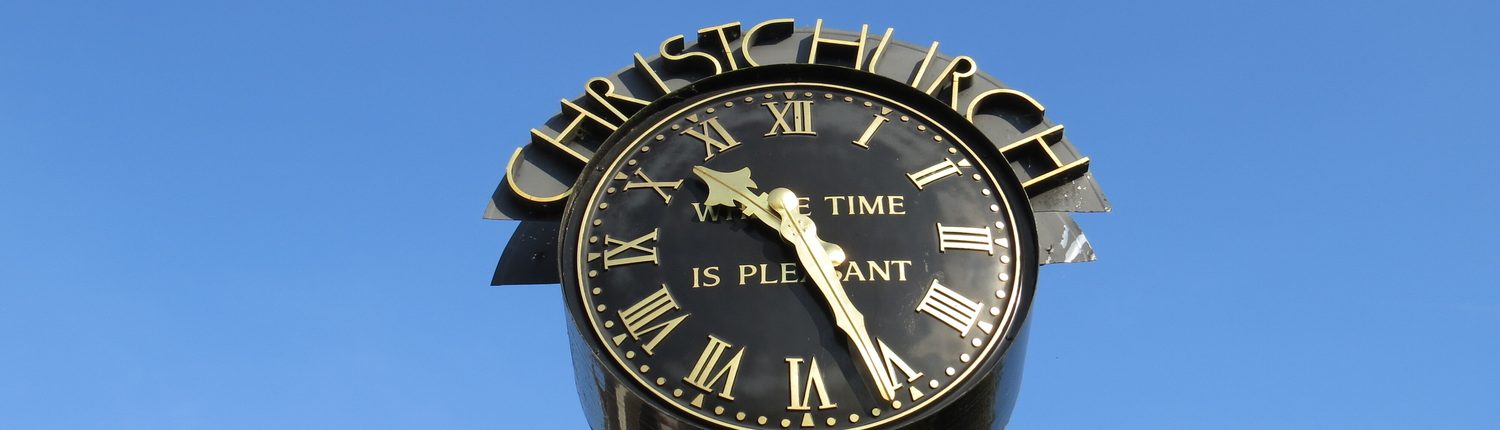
(864, 139)
(802, 393)
(967, 238)
(613, 258)
(646, 182)
(950, 307)
(708, 372)
(896, 371)
(706, 131)
(937, 171)
(793, 118)
(644, 317)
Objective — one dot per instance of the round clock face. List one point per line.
(831, 250)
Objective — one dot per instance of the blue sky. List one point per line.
(251, 215)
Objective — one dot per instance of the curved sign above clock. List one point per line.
(539, 176)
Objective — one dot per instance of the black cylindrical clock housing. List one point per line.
(888, 288)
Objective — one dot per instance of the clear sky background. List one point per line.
(258, 215)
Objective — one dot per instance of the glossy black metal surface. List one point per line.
(782, 319)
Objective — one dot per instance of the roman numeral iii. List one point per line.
(966, 238)
(645, 317)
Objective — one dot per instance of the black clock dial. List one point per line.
(835, 251)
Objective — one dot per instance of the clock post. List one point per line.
(795, 227)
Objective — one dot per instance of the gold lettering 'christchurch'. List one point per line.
(793, 118)
(645, 317)
(713, 135)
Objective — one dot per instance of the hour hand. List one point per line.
(733, 189)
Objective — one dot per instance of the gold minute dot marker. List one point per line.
(677, 392)
(609, 324)
(760, 420)
(832, 421)
(994, 311)
(977, 342)
(601, 308)
(853, 418)
(739, 416)
(875, 412)
(593, 273)
(661, 381)
(786, 423)
(718, 410)
(950, 371)
(629, 354)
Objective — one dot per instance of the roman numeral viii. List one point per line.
(709, 370)
(645, 317)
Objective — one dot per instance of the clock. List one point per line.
(795, 246)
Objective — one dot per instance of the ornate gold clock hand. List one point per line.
(820, 265)
(819, 258)
(733, 189)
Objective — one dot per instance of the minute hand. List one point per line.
(800, 231)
